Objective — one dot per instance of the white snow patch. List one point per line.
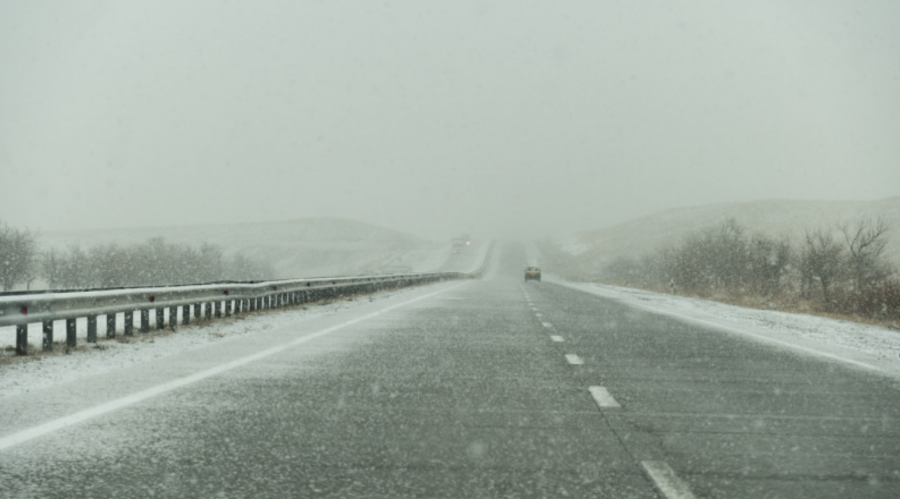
(44, 370)
(863, 346)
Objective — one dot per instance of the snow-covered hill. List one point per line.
(296, 248)
(774, 218)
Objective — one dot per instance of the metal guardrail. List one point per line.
(200, 301)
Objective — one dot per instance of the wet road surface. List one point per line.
(489, 388)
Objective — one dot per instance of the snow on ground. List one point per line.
(420, 261)
(574, 245)
(40, 370)
(871, 348)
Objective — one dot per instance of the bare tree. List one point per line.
(770, 262)
(52, 267)
(822, 261)
(18, 256)
(866, 242)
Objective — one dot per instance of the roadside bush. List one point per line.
(18, 256)
(826, 273)
(154, 263)
(880, 301)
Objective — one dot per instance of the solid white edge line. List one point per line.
(557, 338)
(603, 398)
(78, 417)
(574, 359)
(666, 481)
(737, 330)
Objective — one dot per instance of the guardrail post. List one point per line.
(217, 307)
(173, 316)
(207, 310)
(197, 310)
(71, 341)
(92, 329)
(227, 308)
(186, 315)
(129, 323)
(145, 321)
(160, 318)
(22, 339)
(47, 341)
(111, 325)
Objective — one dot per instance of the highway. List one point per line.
(491, 388)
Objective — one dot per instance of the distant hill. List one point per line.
(297, 248)
(775, 218)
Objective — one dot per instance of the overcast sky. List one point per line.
(434, 117)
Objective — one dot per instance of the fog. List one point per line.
(507, 118)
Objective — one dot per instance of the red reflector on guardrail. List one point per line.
(226, 292)
(24, 310)
(152, 298)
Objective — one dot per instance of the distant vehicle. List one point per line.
(532, 273)
(461, 243)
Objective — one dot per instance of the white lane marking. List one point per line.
(113, 405)
(666, 481)
(547, 325)
(534, 309)
(558, 339)
(736, 329)
(574, 359)
(539, 315)
(602, 397)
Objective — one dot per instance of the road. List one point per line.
(487, 388)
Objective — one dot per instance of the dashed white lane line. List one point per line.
(557, 338)
(547, 325)
(602, 397)
(666, 481)
(539, 315)
(573, 359)
(57, 424)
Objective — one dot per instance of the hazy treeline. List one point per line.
(842, 270)
(18, 256)
(153, 263)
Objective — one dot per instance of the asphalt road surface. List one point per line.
(488, 388)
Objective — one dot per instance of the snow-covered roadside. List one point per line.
(872, 348)
(40, 371)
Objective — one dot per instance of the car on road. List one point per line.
(532, 273)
